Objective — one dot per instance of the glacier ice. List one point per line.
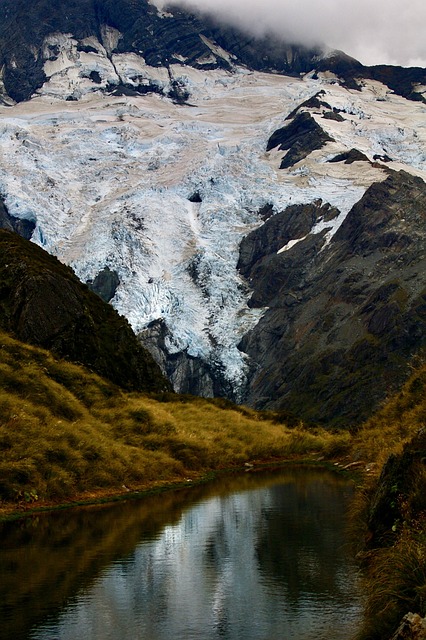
(108, 180)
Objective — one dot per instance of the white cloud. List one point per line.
(373, 31)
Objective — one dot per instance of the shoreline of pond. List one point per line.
(12, 512)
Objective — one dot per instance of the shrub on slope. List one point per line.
(392, 510)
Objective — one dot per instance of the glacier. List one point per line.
(109, 179)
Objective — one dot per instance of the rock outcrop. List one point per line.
(299, 138)
(412, 627)
(188, 374)
(23, 228)
(349, 157)
(105, 284)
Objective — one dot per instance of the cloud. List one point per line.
(373, 31)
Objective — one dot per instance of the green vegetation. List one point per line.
(66, 433)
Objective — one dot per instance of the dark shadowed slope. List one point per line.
(343, 321)
(43, 303)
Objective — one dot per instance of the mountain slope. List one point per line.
(43, 303)
(163, 38)
(153, 146)
(344, 320)
(67, 434)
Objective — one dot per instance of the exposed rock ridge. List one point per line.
(299, 138)
(348, 157)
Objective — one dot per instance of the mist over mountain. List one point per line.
(383, 32)
(254, 207)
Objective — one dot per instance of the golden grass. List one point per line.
(395, 574)
(65, 432)
(395, 586)
(395, 423)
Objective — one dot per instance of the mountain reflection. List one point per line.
(311, 556)
(256, 556)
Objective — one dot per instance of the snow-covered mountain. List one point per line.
(208, 199)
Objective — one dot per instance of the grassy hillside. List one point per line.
(394, 424)
(65, 433)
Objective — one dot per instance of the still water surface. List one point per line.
(252, 557)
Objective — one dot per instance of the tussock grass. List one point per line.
(395, 423)
(395, 565)
(396, 585)
(65, 432)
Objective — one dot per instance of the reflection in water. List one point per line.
(253, 557)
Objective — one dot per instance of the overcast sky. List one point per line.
(373, 31)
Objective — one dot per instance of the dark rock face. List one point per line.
(24, 26)
(264, 54)
(401, 80)
(333, 115)
(178, 92)
(195, 197)
(259, 261)
(342, 322)
(382, 158)
(299, 138)
(43, 303)
(186, 373)
(349, 157)
(23, 228)
(105, 284)
(125, 89)
(311, 103)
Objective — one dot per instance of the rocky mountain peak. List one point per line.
(345, 319)
(30, 37)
